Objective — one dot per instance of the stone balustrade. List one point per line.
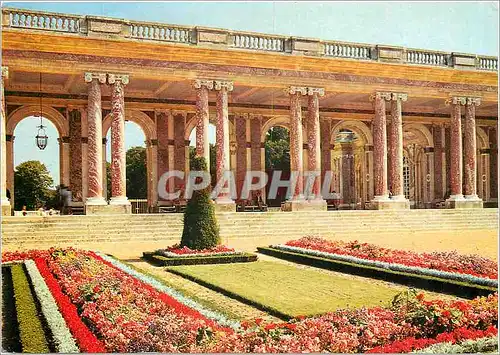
(417, 56)
(160, 32)
(201, 36)
(347, 50)
(258, 42)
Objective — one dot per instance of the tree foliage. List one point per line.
(32, 185)
(201, 230)
(277, 147)
(213, 161)
(137, 173)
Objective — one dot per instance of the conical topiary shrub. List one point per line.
(201, 230)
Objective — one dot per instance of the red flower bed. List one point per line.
(85, 339)
(177, 249)
(127, 314)
(411, 344)
(444, 261)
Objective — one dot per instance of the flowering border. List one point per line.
(169, 254)
(64, 341)
(481, 345)
(392, 266)
(86, 340)
(216, 316)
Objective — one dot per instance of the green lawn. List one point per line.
(290, 290)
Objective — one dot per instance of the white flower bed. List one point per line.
(393, 266)
(170, 254)
(64, 341)
(216, 316)
(482, 345)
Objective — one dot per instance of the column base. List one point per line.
(224, 205)
(458, 201)
(304, 205)
(6, 210)
(386, 203)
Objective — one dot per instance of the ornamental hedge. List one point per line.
(31, 332)
(201, 230)
(159, 260)
(431, 283)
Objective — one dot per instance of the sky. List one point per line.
(470, 27)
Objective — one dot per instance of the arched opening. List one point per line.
(136, 158)
(213, 154)
(277, 158)
(34, 174)
(418, 165)
(349, 177)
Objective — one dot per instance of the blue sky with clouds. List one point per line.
(448, 26)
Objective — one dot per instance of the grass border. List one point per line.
(10, 329)
(429, 283)
(272, 311)
(159, 260)
(31, 330)
(188, 294)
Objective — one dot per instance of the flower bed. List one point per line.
(176, 251)
(449, 265)
(108, 307)
(177, 255)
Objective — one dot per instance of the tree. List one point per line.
(32, 185)
(277, 147)
(213, 161)
(201, 230)
(136, 173)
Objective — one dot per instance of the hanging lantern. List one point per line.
(41, 138)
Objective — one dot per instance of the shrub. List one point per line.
(201, 230)
(31, 330)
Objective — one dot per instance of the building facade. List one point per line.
(415, 124)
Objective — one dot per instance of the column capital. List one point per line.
(476, 101)
(381, 95)
(199, 83)
(221, 84)
(399, 96)
(296, 90)
(456, 100)
(318, 91)
(113, 78)
(89, 76)
(179, 112)
(5, 72)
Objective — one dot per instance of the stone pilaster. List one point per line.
(202, 118)
(5, 203)
(223, 200)
(95, 161)
(118, 158)
(75, 153)
(314, 142)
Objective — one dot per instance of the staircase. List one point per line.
(271, 227)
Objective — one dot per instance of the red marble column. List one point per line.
(314, 139)
(3, 189)
(75, 153)
(222, 137)
(470, 171)
(380, 147)
(396, 151)
(456, 148)
(118, 158)
(202, 118)
(94, 116)
(296, 139)
(437, 132)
